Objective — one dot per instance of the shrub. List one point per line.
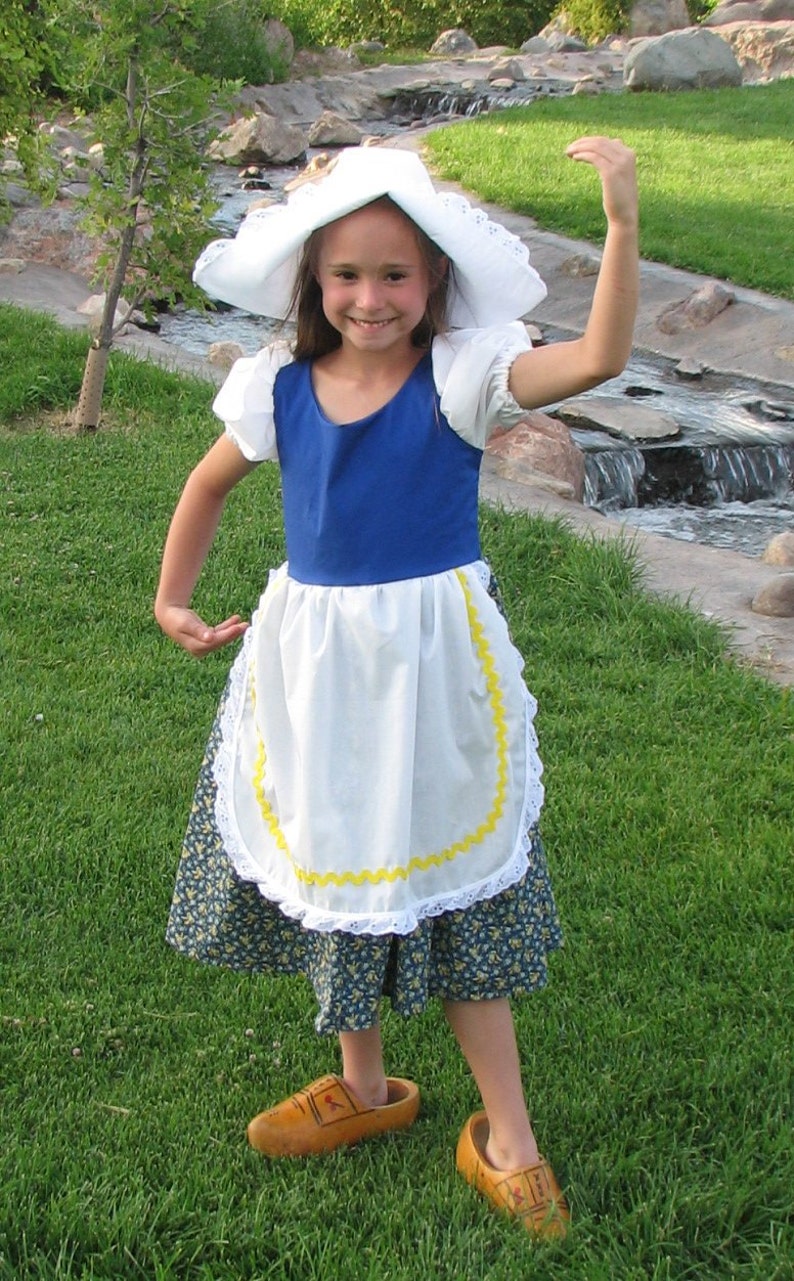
(233, 45)
(594, 20)
(417, 24)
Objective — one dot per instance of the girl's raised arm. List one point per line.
(548, 374)
(190, 536)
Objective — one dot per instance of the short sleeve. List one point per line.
(471, 369)
(245, 401)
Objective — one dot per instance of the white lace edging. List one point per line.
(403, 922)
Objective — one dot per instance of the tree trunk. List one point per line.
(89, 405)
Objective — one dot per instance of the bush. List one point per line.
(233, 44)
(594, 20)
(416, 25)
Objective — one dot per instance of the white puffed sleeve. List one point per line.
(245, 401)
(470, 370)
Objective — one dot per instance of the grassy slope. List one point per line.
(716, 174)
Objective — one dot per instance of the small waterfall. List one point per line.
(428, 104)
(611, 478)
(696, 476)
(745, 475)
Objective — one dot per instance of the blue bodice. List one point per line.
(389, 497)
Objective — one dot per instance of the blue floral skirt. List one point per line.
(495, 948)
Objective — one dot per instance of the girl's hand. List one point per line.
(191, 632)
(616, 167)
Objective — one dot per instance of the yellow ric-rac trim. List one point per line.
(430, 860)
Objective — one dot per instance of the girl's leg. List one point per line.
(362, 1065)
(486, 1035)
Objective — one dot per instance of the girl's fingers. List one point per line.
(193, 634)
(615, 165)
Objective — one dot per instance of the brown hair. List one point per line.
(316, 336)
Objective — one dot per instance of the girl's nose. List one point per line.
(369, 294)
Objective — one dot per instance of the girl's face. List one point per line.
(374, 279)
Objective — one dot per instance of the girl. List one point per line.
(367, 810)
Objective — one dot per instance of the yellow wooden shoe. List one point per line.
(531, 1195)
(326, 1115)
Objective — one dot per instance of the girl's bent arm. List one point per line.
(548, 374)
(190, 536)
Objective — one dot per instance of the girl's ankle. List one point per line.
(512, 1155)
(370, 1093)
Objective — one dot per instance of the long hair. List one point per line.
(316, 336)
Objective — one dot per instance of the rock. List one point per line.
(96, 155)
(628, 420)
(560, 42)
(764, 50)
(279, 42)
(366, 47)
(93, 308)
(503, 84)
(62, 136)
(690, 59)
(750, 11)
(324, 62)
(587, 86)
(581, 265)
(537, 45)
(689, 370)
(776, 598)
(70, 155)
(656, 17)
(223, 354)
(507, 68)
(540, 450)
(52, 235)
(258, 139)
(780, 549)
(12, 266)
(333, 130)
(453, 43)
(696, 311)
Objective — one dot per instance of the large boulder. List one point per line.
(764, 50)
(279, 42)
(657, 17)
(540, 451)
(332, 130)
(776, 598)
(453, 44)
(780, 549)
(258, 140)
(690, 59)
(750, 11)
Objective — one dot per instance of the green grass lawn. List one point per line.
(658, 1060)
(716, 174)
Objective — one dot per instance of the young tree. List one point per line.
(149, 202)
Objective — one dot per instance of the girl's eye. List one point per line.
(396, 275)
